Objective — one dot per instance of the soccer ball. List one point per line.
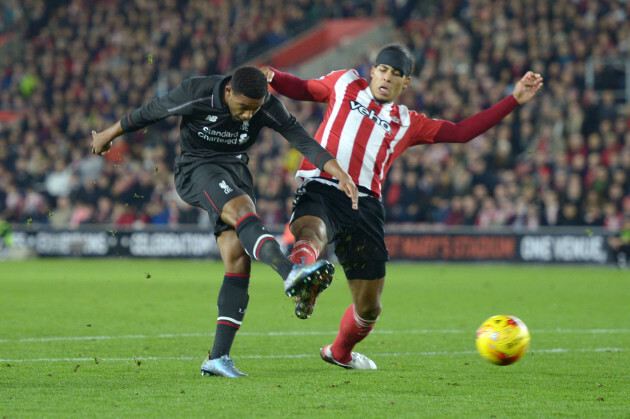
(502, 339)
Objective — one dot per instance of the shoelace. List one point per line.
(228, 360)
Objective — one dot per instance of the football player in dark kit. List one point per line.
(221, 119)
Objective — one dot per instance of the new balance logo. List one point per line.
(356, 106)
(211, 118)
(225, 187)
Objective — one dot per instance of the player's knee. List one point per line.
(237, 208)
(240, 263)
(244, 263)
(309, 227)
(232, 253)
(368, 310)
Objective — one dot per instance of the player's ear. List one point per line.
(407, 81)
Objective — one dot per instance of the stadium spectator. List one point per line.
(455, 213)
(61, 215)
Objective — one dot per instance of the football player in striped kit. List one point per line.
(366, 131)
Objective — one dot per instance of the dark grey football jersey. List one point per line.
(207, 128)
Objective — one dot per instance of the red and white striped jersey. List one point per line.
(364, 135)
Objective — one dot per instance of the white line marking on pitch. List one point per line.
(297, 333)
(386, 354)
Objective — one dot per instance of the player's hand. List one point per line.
(527, 87)
(101, 142)
(347, 185)
(345, 181)
(268, 73)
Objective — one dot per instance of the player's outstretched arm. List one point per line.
(345, 181)
(294, 87)
(527, 87)
(461, 132)
(102, 141)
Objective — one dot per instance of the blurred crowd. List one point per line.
(563, 159)
(84, 64)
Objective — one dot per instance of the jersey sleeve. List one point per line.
(314, 90)
(280, 120)
(176, 102)
(476, 124)
(423, 130)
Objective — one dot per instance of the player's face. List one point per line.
(387, 83)
(241, 107)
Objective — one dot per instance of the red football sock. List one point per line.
(352, 330)
(306, 249)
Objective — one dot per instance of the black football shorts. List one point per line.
(211, 183)
(358, 235)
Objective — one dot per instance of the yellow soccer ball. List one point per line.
(502, 339)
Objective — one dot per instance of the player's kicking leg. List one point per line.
(306, 282)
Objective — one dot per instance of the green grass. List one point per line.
(100, 338)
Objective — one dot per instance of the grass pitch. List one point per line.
(125, 338)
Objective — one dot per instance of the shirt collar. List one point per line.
(217, 94)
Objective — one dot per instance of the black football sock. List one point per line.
(261, 245)
(232, 303)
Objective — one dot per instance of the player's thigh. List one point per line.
(310, 227)
(360, 259)
(361, 248)
(309, 218)
(210, 186)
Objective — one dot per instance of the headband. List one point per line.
(395, 59)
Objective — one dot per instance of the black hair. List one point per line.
(398, 50)
(249, 81)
